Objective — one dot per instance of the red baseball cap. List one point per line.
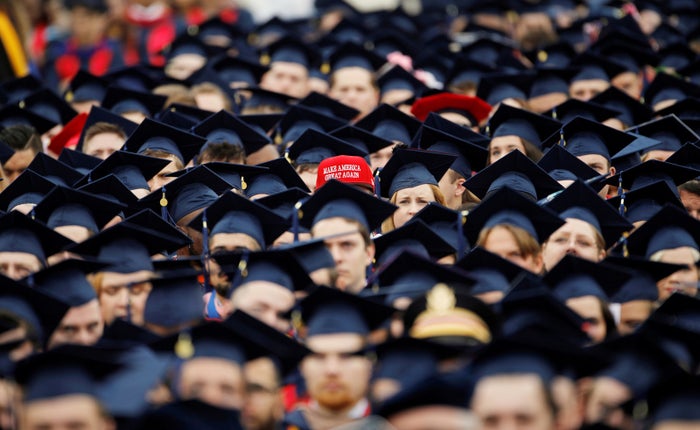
(350, 169)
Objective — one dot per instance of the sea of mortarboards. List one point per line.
(458, 215)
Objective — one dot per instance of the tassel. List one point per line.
(461, 240)
(296, 215)
(622, 194)
(241, 270)
(163, 205)
(205, 252)
(377, 183)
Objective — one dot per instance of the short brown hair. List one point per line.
(103, 127)
(209, 88)
(20, 137)
(527, 245)
(222, 151)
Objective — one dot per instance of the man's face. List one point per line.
(596, 162)
(183, 66)
(630, 83)
(215, 381)
(263, 405)
(353, 86)
(76, 411)
(685, 280)
(227, 242)
(516, 402)
(291, 79)
(587, 89)
(576, 237)
(82, 325)
(603, 405)
(17, 265)
(432, 417)
(633, 314)
(691, 202)
(378, 159)
(123, 295)
(349, 251)
(335, 376)
(103, 145)
(159, 180)
(266, 301)
(18, 163)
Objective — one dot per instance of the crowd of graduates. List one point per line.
(458, 215)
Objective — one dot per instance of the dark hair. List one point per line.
(21, 137)
(222, 151)
(692, 186)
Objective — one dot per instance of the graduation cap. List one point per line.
(258, 98)
(312, 254)
(133, 170)
(188, 414)
(298, 119)
(631, 111)
(473, 108)
(436, 121)
(146, 218)
(328, 106)
(120, 100)
(645, 275)
(576, 277)
(19, 233)
(174, 300)
(66, 281)
(191, 113)
(137, 78)
(279, 177)
(336, 199)
(28, 188)
(581, 202)
(652, 171)
(185, 44)
(666, 87)
(686, 109)
(264, 122)
(409, 168)
(222, 127)
(66, 206)
(85, 87)
(675, 55)
(642, 203)
(289, 50)
(232, 173)
(79, 161)
(593, 66)
(467, 71)
(514, 171)
(397, 78)
(155, 136)
(470, 157)
(631, 55)
(47, 104)
(195, 189)
(672, 401)
(446, 223)
(390, 123)
(562, 165)
(688, 155)
(18, 88)
(14, 115)
(496, 87)
(581, 136)
(6, 152)
(354, 55)
(284, 203)
(573, 108)
(361, 139)
(128, 247)
(490, 271)
(670, 130)
(329, 311)
(54, 170)
(110, 188)
(670, 228)
(238, 70)
(312, 147)
(630, 155)
(510, 121)
(548, 80)
(507, 206)
(98, 114)
(416, 237)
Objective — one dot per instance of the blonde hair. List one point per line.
(388, 224)
(658, 255)
(527, 245)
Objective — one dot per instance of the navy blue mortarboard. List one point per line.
(66, 281)
(550, 80)
(390, 123)
(280, 177)
(232, 213)
(510, 121)
(630, 156)
(189, 414)
(155, 136)
(28, 188)
(353, 55)
(555, 56)
(298, 119)
(672, 401)
(687, 110)
(328, 311)
(593, 66)
(490, 271)
(627, 54)
(631, 111)
(85, 87)
(642, 285)
(264, 122)
(222, 127)
(136, 78)
(79, 161)
(47, 104)
(581, 202)
(409, 168)
(665, 87)
(485, 49)
(234, 174)
(514, 171)
(19, 233)
(40, 311)
(312, 254)
(112, 189)
(289, 50)
(133, 170)
(238, 70)
(336, 199)
(652, 171)
(670, 130)
(688, 155)
(384, 41)
(670, 228)
(186, 44)
(312, 147)
(196, 189)
(175, 119)
(148, 219)
(582, 136)
(328, 106)
(66, 206)
(397, 78)
(644, 202)
(576, 277)
(691, 71)
(562, 165)
(416, 237)
(572, 108)
(18, 88)
(63, 371)
(446, 223)
(258, 98)
(55, 171)
(120, 100)
(14, 115)
(191, 113)
(174, 300)
(361, 138)
(98, 114)
(675, 55)
(99, 6)
(470, 157)
(436, 121)
(496, 87)
(284, 203)
(6, 152)
(507, 206)
(128, 247)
